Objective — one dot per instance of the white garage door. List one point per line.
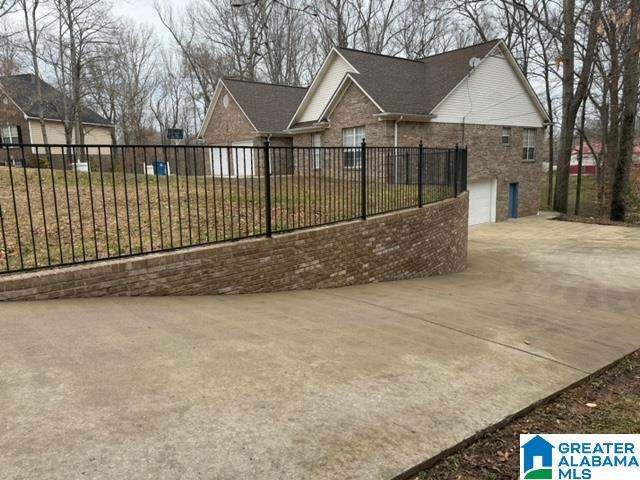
(219, 161)
(482, 201)
(243, 158)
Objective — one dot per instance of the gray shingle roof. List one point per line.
(399, 85)
(22, 90)
(268, 106)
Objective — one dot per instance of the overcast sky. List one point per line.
(143, 11)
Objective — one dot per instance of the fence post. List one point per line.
(267, 187)
(363, 170)
(420, 173)
(463, 182)
(455, 171)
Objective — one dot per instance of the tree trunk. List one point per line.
(571, 99)
(551, 172)
(629, 111)
(580, 157)
(32, 34)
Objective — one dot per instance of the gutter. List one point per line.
(269, 134)
(406, 117)
(316, 127)
(107, 125)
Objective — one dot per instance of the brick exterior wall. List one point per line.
(228, 125)
(353, 110)
(408, 244)
(10, 115)
(488, 158)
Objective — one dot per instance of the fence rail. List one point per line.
(68, 204)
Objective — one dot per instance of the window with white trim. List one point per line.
(352, 140)
(10, 135)
(506, 136)
(316, 143)
(529, 144)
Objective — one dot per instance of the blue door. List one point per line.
(160, 168)
(513, 200)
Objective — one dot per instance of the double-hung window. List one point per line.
(10, 135)
(529, 144)
(506, 136)
(351, 141)
(316, 143)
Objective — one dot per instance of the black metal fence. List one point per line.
(68, 204)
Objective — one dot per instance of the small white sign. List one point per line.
(579, 457)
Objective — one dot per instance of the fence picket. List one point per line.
(255, 190)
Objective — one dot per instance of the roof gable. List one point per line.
(323, 88)
(22, 90)
(475, 99)
(398, 85)
(268, 107)
(392, 82)
(443, 72)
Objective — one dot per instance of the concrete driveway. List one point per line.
(353, 383)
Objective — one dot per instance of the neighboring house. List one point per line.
(20, 114)
(589, 160)
(475, 96)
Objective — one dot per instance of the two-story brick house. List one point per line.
(475, 97)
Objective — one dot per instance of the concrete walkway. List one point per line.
(353, 383)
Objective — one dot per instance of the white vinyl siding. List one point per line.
(326, 85)
(94, 135)
(492, 95)
(529, 144)
(352, 139)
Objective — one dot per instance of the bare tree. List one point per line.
(423, 29)
(542, 65)
(32, 20)
(83, 25)
(171, 102)
(286, 44)
(195, 51)
(122, 79)
(10, 63)
(6, 7)
(581, 23)
(629, 112)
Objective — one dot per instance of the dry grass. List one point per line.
(61, 217)
(589, 204)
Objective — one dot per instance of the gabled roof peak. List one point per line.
(21, 89)
(475, 45)
(256, 82)
(394, 57)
